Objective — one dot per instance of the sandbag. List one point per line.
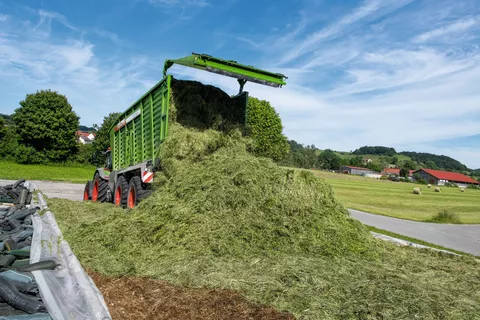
(7, 260)
(17, 276)
(22, 214)
(42, 265)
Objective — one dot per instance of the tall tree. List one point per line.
(102, 138)
(328, 160)
(46, 122)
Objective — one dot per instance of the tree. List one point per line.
(266, 130)
(46, 124)
(431, 165)
(374, 166)
(356, 161)
(395, 160)
(409, 165)
(3, 128)
(102, 138)
(404, 173)
(328, 160)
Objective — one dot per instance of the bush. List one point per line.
(473, 186)
(28, 155)
(451, 184)
(445, 216)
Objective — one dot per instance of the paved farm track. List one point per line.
(70, 191)
(464, 238)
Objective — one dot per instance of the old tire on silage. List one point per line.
(121, 192)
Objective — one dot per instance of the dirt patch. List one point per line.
(143, 298)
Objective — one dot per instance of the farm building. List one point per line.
(357, 170)
(440, 178)
(396, 171)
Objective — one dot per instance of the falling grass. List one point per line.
(445, 216)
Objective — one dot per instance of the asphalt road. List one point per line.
(70, 191)
(465, 238)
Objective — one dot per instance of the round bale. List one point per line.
(429, 185)
(417, 191)
(462, 189)
(437, 189)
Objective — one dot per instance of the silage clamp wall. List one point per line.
(67, 292)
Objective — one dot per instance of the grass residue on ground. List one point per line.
(73, 173)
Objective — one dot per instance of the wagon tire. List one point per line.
(100, 189)
(121, 192)
(135, 192)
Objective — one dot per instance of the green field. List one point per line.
(75, 174)
(396, 199)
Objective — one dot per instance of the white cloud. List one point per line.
(369, 9)
(33, 57)
(457, 27)
(3, 17)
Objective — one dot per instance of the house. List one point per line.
(85, 137)
(367, 161)
(438, 177)
(357, 170)
(396, 171)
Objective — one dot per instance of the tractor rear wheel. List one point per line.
(87, 192)
(121, 192)
(100, 189)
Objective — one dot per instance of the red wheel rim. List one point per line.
(131, 198)
(118, 196)
(95, 191)
(85, 195)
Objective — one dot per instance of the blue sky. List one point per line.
(400, 73)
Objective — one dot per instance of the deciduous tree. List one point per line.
(46, 123)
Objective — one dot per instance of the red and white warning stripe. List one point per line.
(147, 177)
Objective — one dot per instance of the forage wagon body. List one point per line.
(135, 139)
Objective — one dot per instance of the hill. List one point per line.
(310, 157)
(86, 129)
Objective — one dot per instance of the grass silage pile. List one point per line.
(221, 217)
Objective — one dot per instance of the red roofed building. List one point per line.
(438, 177)
(396, 171)
(85, 137)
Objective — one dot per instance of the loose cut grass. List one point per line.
(223, 218)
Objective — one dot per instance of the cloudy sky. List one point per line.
(399, 73)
